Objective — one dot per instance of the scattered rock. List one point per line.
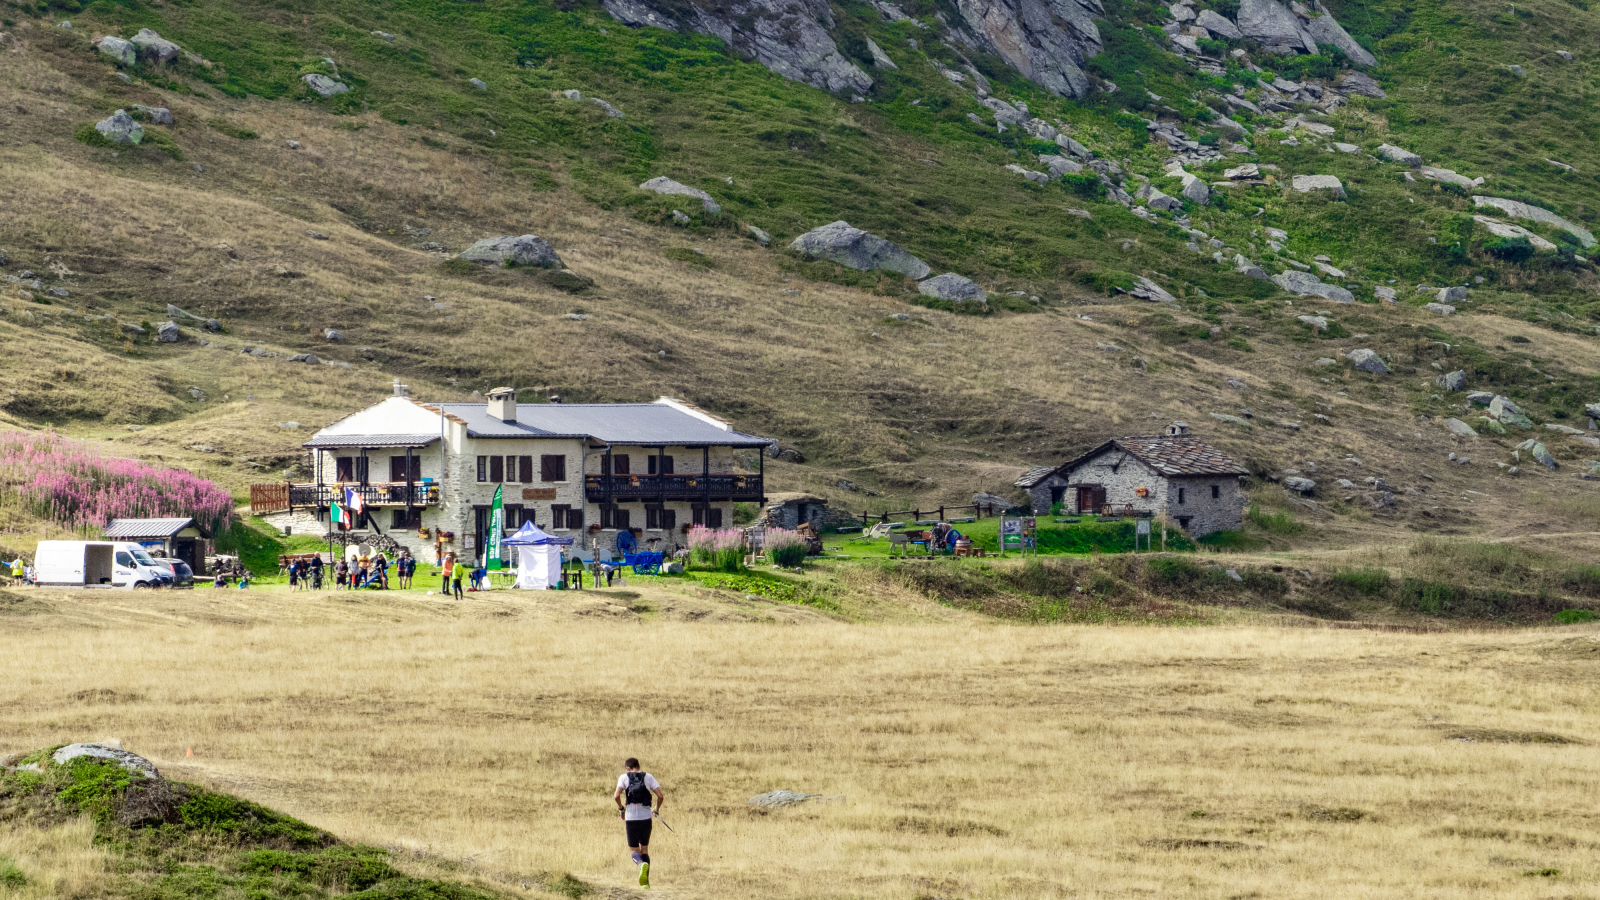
(130, 761)
(780, 799)
(761, 237)
(1232, 420)
(124, 52)
(198, 395)
(1507, 230)
(666, 186)
(316, 235)
(1246, 267)
(324, 86)
(1305, 284)
(289, 426)
(679, 217)
(1367, 361)
(1440, 308)
(527, 250)
(154, 48)
(383, 34)
(1299, 485)
(1239, 173)
(1307, 183)
(1517, 71)
(1385, 295)
(1452, 294)
(1317, 322)
(478, 83)
(880, 58)
(1541, 455)
(332, 335)
(1452, 381)
(120, 128)
(1519, 210)
(1400, 155)
(158, 115)
(1149, 290)
(1507, 412)
(1028, 174)
(852, 247)
(1218, 25)
(167, 332)
(952, 287)
(1458, 427)
(610, 110)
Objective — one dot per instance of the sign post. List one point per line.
(1142, 527)
(1010, 535)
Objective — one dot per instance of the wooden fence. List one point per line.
(938, 515)
(268, 498)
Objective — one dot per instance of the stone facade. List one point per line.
(1200, 504)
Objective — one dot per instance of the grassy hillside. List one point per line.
(215, 215)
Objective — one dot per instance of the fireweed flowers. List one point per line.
(718, 548)
(70, 482)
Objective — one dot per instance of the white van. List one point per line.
(97, 564)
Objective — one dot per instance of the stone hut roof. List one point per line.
(1174, 456)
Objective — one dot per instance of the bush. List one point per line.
(786, 548)
(1513, 249)
(1274, 523)
(1084, 184)
(1575, 616)
(1172, 570)
(1367, 581)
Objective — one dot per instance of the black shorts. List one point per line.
(639, 832)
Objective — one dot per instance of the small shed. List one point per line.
(175, 538)
(793, 510)
(1174, 473)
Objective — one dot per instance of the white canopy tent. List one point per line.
(538, 557)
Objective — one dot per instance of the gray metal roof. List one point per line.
(370, 440)
(145, 528)
(613, 423)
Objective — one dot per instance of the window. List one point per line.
(525, 469)
(613, 516)
(497, 469)
(615, 464)
(397, 468)
(483, 468)
(558, 516)
(401, 520)
(552, 468)
(513, 516)
(709, 516)
(511, 468)
(657, 518)
(1180, 496)
(1216, 492)
(344, 468)
(123, 559)
(665, 462)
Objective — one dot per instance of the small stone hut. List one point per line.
(1174, 473)
(793, 510)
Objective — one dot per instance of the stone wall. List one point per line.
(1204, 514)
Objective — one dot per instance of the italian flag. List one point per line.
(339, 515)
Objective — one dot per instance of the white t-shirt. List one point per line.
(635, 811)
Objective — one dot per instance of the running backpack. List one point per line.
(636, 792)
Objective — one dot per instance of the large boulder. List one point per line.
(120, 128)
(1459, 428)
(1367, 361)
(102, 752)
(1519, 210)
(155, 48)
(527, 250)
(1245, 267)
(990, 504)
(158, 115)
(952, 287)
(325, 86)
(1507, 230)
(1399, 154)
(1048, 42)
(1305, 284)
(1218, 25)
(167, 332)
(1297, 484)
(1060, 165)
(1308, 183)
(124, 52)
(856, 249)
(1507, 412)
(1194, 188)
(1452, 381)
(1327, 31)
(1274, 26)
(665, 185)
(1149, 290)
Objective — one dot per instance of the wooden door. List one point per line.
(1090, 498)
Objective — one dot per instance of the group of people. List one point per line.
(352, 574)
(454, 572)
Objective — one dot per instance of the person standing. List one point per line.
(294, 577)
(457, 573)
(341, 572)
(316, 572)
(449, 566)
(632, 797)
(382, 563)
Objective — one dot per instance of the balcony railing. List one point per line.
(672, 487)
(266, 498)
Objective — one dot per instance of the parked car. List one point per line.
(182, 575)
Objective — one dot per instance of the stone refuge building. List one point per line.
(1176, 473)
(427, 472)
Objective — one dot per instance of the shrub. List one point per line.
(1172, 570)
(1366, 581)
(1575, 616)
(786, 548)
(1084, 184)
(1513, 249)
(721, 549)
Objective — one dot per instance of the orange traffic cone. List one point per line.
(190, 753)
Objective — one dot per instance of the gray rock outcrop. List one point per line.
(1218, 25)
(761, 236)
(167, 332)
(120, 128)
(1305, 284)
(780, 799)
(664, 185)
(952, 287)
(124, 52)
(324, 86)
(1048, 42)
(610, 110)
(1367, 361)
(1307, 183)
(880, 58)
(1319, 323)
(1507, 230)
(1299, 485)
(856, 249)
(1452, 381)
(790, 37)
(1443, 309)
(1149, 290)
(1399, 154)
(1519, 210)
(1455, 294)
(155, 48)
(1459, 428)
(158, 115)
(526, 250)
(130, 761)
(1245, 267)
(1505, 411)
(1327, 31)
(1274, 26)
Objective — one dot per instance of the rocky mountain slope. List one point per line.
(1060, 220)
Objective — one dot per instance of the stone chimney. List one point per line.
(503, 404)
(1177, 429)
(400, 390)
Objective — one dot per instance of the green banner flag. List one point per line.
(497, 529)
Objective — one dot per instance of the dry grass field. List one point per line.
(971, 759)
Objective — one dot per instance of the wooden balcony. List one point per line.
(718, 487)
(268, 498)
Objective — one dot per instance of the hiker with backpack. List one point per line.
(632, 797)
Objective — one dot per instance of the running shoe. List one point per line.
(644, 875)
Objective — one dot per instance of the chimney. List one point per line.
(400, 390)
(503, 404)
(1177, 429)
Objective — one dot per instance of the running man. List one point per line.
(635, 787)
